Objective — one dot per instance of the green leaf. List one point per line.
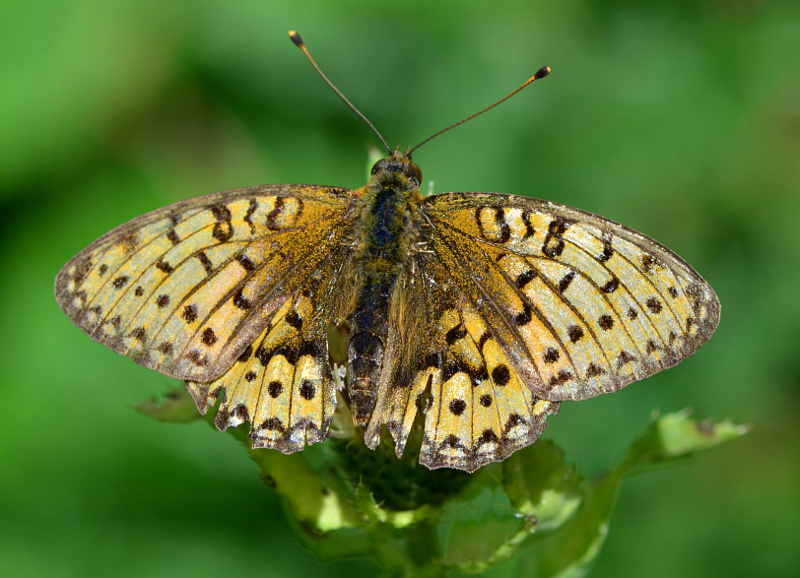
(348, 501)
(675, 437)
(176, 407)
(541, 485)
(570, 550)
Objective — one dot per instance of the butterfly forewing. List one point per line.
(282, 384)
(185, 289)
(581, 305)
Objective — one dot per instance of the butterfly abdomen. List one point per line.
(383, 253)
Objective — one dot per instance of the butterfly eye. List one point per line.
(415, 172)
(381, 165)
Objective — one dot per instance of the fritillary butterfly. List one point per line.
(481, 310)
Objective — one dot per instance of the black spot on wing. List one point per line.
(223, 231)
(605, 322)
(307, 390)
(456, 333)
(164, 267)
(263, 355)
(513, 421)
(274, 389)
(273, 215)
(500, 219)
(248, 218)
(291, 354)
(553, 244)
(611, 286)
(624, 358)
(432, 360)
(449, 370)
(525, 277)
(205, 261)
(487, 436)
(551, 355)
(654, 305)
(575, 333)
(565, 281)
(208, 336)
(189, 313)
(309, 348)
(525, 317)
(240, 301)
(594, 370)
(272, 424)
(245, 262)
(197, 358)
(245, 354)
(501, 375)
(561, 378)
(526, 220)
(453, 441)
(457, 407)
(608, 251)
(220, 212)
(294, 320)
(478, 375)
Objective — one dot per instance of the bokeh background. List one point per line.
(680, 119)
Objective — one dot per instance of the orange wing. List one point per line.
(185, 289)
(580, 305)
(512, 304)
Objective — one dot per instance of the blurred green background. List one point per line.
(680, 119)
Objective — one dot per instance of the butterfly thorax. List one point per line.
(388, 202)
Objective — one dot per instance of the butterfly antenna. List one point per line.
(299, 43)
(541, 73)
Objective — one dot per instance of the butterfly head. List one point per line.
(398, 164)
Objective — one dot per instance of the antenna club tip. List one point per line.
(542, 72)
(296, 38)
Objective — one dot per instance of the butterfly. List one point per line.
(480, 311)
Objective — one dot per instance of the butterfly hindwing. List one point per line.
(185, 289)
(477, 408)
(480, 410)
(282, 384)
(581, 305)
